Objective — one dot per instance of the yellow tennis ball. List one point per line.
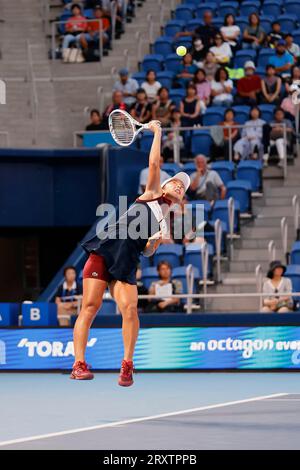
(181, 50)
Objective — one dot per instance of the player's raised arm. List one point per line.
(153, 188)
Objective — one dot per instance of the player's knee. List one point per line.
(90, 310)
(130, 312)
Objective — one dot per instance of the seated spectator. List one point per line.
(206, 31)
(221, 50)
(92, 34)
(75, 25)
(254, 35)
(198, 51)
(221, 137)
(288, 106)
(205, 183)
(66, 296)
(210, 66)
(221, 88)
(295, 75)
(191, 107)
(231, 32)
(188, 70)
(163, 107)
(117, 103)
(292, 47)
(164, 288)
(277, 135)
(96, 123)
(277, 287)
(128, 86)
(203, 86)
(144, 176)
(141, 110)
(248, 87)
(271, 86)
(168, 138)
(275, 35)
(106, 5)
(282, 60)
(151, 86)
(250, 146)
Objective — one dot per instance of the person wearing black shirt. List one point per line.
(66, 296)
(205, 32)
(96, 123)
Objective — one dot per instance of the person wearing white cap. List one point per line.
(248, 87)
(114, 255)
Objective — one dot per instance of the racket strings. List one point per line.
(122, 128)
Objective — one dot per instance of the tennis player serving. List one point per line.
(115, 255)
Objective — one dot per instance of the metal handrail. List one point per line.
(259, 283)
(284, 235)
(113, 14)
(218, 244)
(272, 250)
(231, 210)
(34, 103)
(204, 259)
(296, 213)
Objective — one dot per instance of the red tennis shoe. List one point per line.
(81, 371)
(125, 377)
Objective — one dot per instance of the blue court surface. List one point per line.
(161, 411)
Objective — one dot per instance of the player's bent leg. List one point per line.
(93, 290)
(127, 298)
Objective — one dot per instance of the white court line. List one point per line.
(139, 420)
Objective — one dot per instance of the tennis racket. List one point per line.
(123, 128)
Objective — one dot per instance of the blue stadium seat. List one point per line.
(63, 17)
(173, 27)
(292, 7)
(220, 211)
(240, 190)
(295, 253)
(264, 56)
(242, 22)
(186, 41)
(251, 170)
(201, 205)
(218, 21)
(171, 168)
(267, 111)
(201, 142)
(88, 13)
(185, 12)
(293, 273)
(165, 78)
(207, 6)
(241, 113)
(261, 71)
(152, 62)
(145, 262)
(173, 63)
(246, 8)
(193, 256)
(296, 36)
(177, 95)
(140, 77)
(242, 56)
(180, 275)
(171, 253)
(213, 115)
(193, 24)
(272, 8)
(108, 307)
(288, 22)
(149, 275)
(146, 141)
(266, 22)
(163, 46)
(225, 170)
(189, 168)
(228, 7)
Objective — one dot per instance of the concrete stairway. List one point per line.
(63, 90)
(252, 247)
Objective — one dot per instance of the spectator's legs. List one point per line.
(280, 149)
(68, 39)
(242, 148)
(283, 310)
(266, 309)
(62, 312)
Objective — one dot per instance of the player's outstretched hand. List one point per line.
(154, 126)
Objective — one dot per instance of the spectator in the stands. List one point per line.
(66, 296)
(248, 87)
(203, 86)
(221, 88)
(221, 50)
(141, 110)
(250, 146)
(295, 75)
(205, 183)
(231, 32)
(128, 86)
(282, 60)
(278, 287)
(117, 103)
(163, 107)
(96, 123)
(75, 25)
(254, 35)
(151, 86)
(210, 66)
(277, 134)
(92, 35)
(164, 288)
(222, 135)
(275, 34)
(292, 47)
(288, 106)
(198, 52)
(144, 176)
(187, 71)
(191, 107)
(206, 32)
(271, 86)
